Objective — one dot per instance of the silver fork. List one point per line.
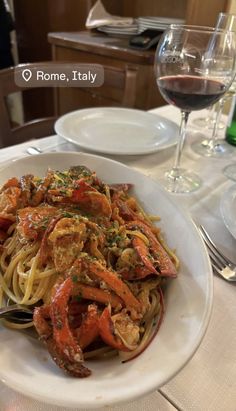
(221, 264)
(20, 314)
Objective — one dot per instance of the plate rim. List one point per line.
(205, 316)
(223, 204)
(132, 152)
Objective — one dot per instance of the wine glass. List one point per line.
(189, 75)
(230, 170)
(209, 120)
(215, 147)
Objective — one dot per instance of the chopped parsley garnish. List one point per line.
(78, 298)
(75, 278)
(66, 214)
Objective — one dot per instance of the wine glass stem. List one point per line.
(182, 135)
(213, 139)
(211, 114)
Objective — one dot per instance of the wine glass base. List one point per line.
(230, 171)
(220, 149)
(207, 123)
(180, 181)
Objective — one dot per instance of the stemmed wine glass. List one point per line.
(189, 75)
(215, 147)
(208, 121)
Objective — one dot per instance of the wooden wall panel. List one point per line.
(204, 12)
(172, 8)
(35, 18)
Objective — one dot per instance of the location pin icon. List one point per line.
(26, 74)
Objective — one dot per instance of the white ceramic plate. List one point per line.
(228, 209)
(114, 130)
(25, 364)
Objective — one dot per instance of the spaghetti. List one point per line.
(88, 259)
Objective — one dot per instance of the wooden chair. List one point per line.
(9, 134)
(121, 79)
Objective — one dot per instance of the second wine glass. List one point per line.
(188, 70)
(215, 146)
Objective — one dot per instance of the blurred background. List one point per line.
(32, 21)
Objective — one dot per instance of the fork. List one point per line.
(221, 264)
(20, 314)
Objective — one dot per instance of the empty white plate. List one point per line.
(228, 209)
(114, 130)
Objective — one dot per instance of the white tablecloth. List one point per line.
(208, 381)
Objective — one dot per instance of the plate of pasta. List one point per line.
(116, 274)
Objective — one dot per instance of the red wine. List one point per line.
(189, 92)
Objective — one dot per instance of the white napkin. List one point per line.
(98, 17)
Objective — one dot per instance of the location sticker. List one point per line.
(53, 74)
(27, 74)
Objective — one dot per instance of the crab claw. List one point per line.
(89, 330)
(98, 295)
(164, 262)
(66, 344)
(107, 333)
(114, 282)
(87, 198)
(143, 253)
(91, 199)
(44, 329)
(5, 223)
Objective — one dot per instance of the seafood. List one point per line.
(90, 259)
